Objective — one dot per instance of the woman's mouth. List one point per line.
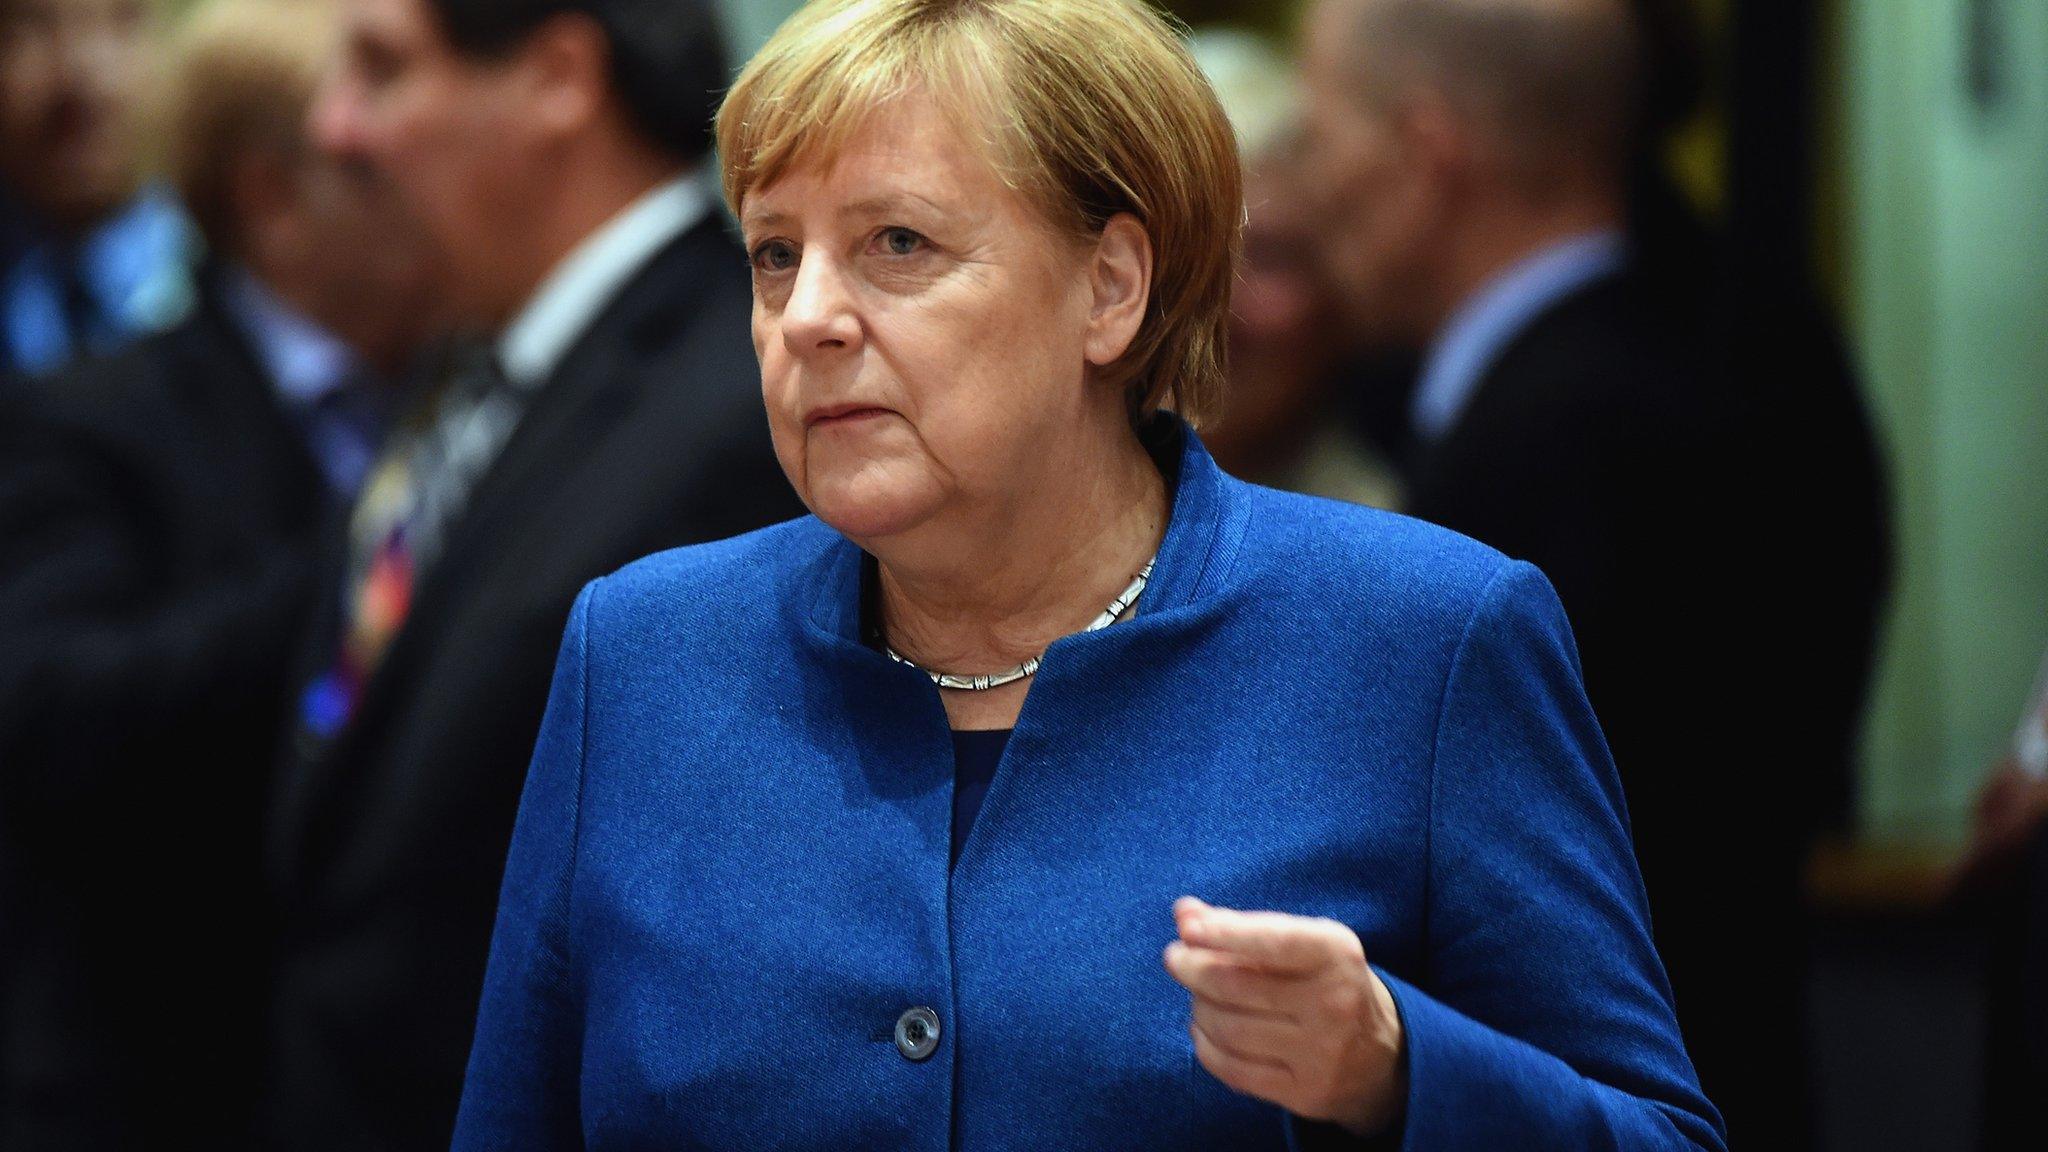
(844, 415)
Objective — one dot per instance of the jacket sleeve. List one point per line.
(522, 1089)
(1542, 1018)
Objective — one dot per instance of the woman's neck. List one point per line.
(1016, 580)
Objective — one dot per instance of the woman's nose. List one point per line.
(819, 316)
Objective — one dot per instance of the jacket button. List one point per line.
(917, 1033)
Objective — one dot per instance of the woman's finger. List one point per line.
(1254, 1078)
(1252, 1036)
(1275, 941)
(1224, 978)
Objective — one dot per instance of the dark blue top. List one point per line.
(729, 882)
(975, 755)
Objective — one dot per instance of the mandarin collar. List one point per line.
(1205, 523)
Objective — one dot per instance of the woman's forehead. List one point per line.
(908, 154)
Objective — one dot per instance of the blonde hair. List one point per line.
(1089, 108)
(242, 78)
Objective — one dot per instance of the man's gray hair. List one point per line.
(1557, 83)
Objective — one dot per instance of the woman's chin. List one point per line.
(872, 504)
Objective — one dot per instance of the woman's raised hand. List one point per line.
(1287, 1010)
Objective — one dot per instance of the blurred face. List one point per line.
(1278, 297)
(365, 266)
(1281, 337)
(72, 79)
(1367, 185)
(445, 131)
(924, 336)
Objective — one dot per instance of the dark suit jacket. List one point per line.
(1715, 522)
(157, 513)
(385, 850)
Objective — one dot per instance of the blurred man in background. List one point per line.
(2012, 802)
(2003, 878)
(1714, 527)
(158, 520)
(554, 147)
(103, 253)
(1283, 424)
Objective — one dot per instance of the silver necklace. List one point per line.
(1116, 609)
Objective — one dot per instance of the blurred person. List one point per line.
(1284, 426)
(874, 829)
(554, 149)
(104, 252)
(1782, 351)
(2002, 879)
(159, 515)
(2012, 802)
(1715, 533)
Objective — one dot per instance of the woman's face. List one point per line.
(924, 335)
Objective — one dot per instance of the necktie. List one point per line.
(412, 498)
(343, 425)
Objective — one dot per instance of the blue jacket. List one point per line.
(729, 874)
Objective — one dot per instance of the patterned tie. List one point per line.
(412, 497)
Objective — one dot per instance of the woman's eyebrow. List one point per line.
(892, 202)
(765, 219)
(868, 206)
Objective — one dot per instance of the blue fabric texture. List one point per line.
(729, 873)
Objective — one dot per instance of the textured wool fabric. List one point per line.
(729, 873)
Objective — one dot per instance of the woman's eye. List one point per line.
(900, 241)
(774, 256)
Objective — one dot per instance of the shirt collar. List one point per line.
(585, 281)
(1491, 318)
(303, 361)
(134, 263)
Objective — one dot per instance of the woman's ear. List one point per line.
(1121, 278)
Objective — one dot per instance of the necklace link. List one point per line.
(986, 681)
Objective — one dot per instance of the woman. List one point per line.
(816, 853)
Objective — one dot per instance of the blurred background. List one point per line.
(1871, 173)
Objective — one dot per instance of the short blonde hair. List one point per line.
(242, 78)
(1089, 108)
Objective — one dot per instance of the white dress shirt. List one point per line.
(576, 292)
(316, 377)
